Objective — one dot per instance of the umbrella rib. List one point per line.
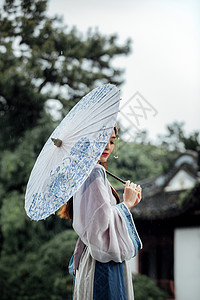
(94, 132)
(94, 117)
(109, 173)
(79, 165)
(69, 154)
(75, 134)
(103, 102)
(38, 179)
(105, 110)
(87, 154)
(112, 104)
(93, 142)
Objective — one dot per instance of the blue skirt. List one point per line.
(102, 281)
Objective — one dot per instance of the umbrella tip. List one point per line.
(57, 142)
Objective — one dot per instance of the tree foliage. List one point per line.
(139, 158)
(40, 59)
(145, 288)
(138, 161)
(177, 140)
(40, 274)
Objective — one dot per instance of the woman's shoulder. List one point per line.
(99, 167)
(98, 171)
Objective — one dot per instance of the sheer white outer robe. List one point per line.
(108, 232)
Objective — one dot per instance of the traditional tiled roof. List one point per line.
(157, 203)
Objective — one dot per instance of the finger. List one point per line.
(138, 188)
(139, 197)
(137, 200)
(134, 185)
(127, 183)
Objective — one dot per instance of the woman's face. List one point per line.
(109, 148)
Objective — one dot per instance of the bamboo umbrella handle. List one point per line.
(114, 176)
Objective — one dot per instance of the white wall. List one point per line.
(134, 264)
(181, 181)
(187, 263)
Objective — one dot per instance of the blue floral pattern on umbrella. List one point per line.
(59, 171)
(68, 176)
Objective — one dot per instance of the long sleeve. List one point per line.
(106, 229)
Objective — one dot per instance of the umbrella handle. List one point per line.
(114, 176)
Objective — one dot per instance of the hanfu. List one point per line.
(108, 239)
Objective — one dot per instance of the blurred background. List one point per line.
(51, 54)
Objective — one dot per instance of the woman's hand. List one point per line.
(132, 194)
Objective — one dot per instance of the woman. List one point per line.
(107, 236)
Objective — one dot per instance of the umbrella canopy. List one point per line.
(71, 152)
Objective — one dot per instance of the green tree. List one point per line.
(138, 161)
(176, 138)
(41, 274)
(40, 59)
(139, 158)
(146, 289)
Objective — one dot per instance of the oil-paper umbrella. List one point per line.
(71, 152)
